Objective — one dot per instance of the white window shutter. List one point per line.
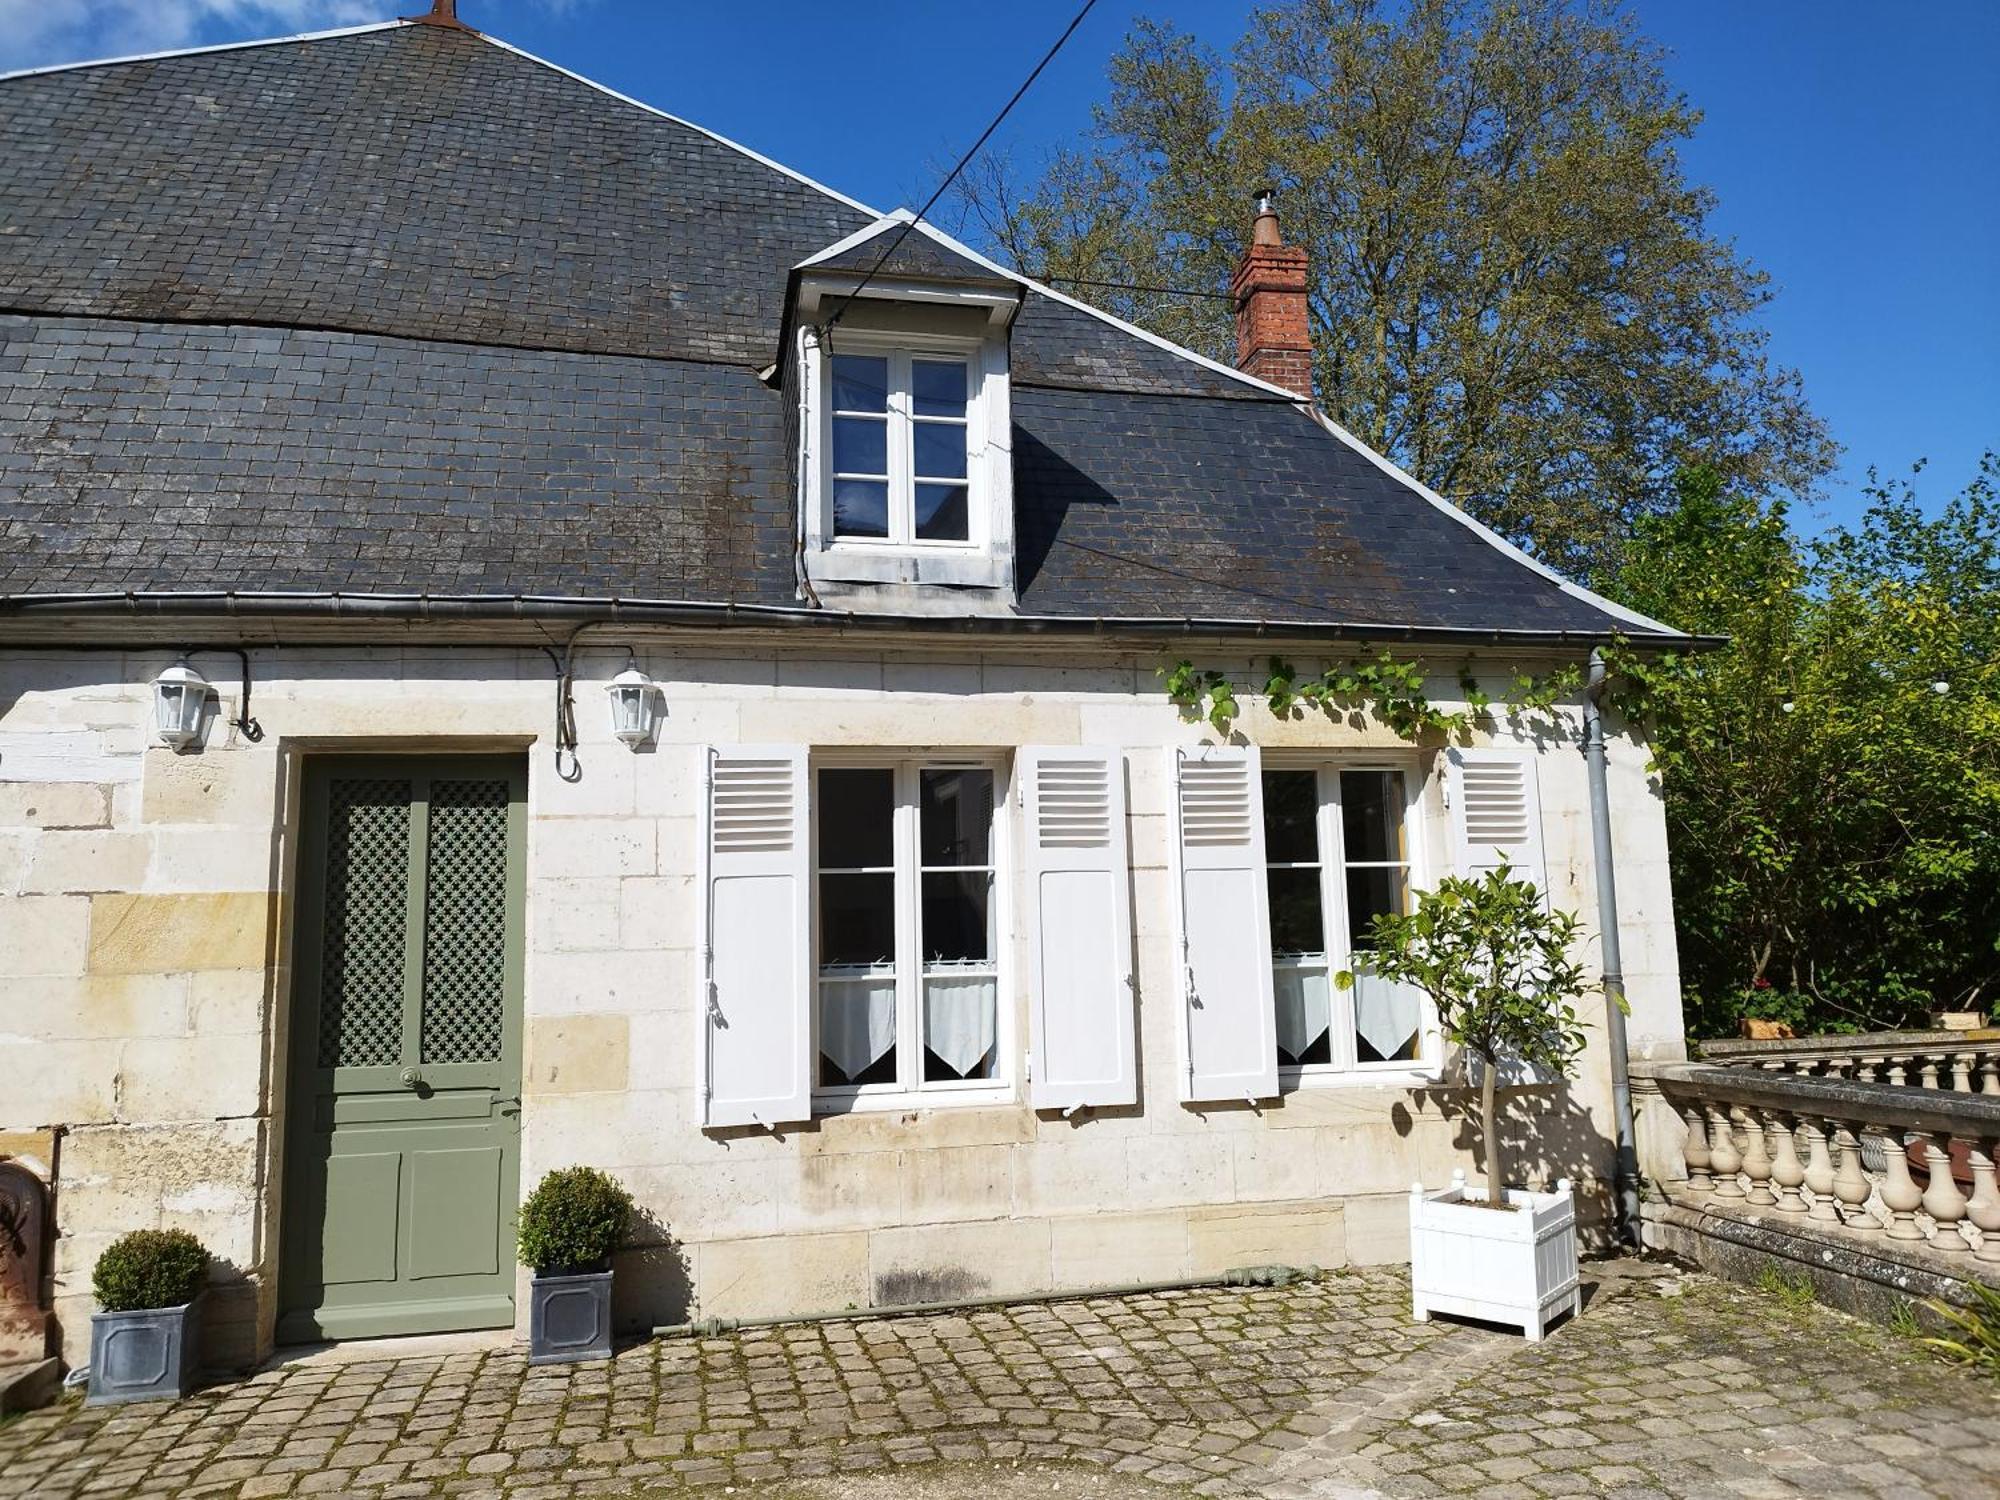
(1229, 1017)
(1497, 814)
(1080, 982)
(756, 944)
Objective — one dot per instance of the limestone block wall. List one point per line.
(145, 924)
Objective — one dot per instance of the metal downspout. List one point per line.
(1626, 1171)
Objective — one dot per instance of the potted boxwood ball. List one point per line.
(145, 1343)
(1496, 962)
(570, 1224)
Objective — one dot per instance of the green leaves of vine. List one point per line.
(1385, 688)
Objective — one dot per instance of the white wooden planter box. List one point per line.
(1506, 1268)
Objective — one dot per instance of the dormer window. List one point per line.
(905, 464)
(900, 449)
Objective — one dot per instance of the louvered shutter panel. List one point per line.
(1080, 928)
(1229, 1016)
(1497, 814)
(756, 943)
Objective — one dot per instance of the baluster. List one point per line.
(1850, 1183)
(1694, 1150)
(1943, 1200)
(1786, 1169)
(1984, 1209)
(1989, 1074)
(1964, 1071)
(1819, 1172)
(1898, 1071)
(1899, 1189)
(1756, 1156)
(1927, 1071)
(1728, 1161)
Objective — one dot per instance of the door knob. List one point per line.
(411, 1077)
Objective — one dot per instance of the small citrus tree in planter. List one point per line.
(570, 1224)
(1495, 962)
(145, 1340)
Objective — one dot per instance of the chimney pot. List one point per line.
(1273, 331)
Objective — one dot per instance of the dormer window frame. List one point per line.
(985, 559)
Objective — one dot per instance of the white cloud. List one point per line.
(34, 33)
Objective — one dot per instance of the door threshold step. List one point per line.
(401, 1346)
(24, 1387)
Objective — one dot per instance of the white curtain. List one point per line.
(1386, 1015)
(1305, 1006)
(857, 1021)
(959, 1018)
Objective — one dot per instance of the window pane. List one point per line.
(857, 1030)
(1296, 924)
(940, 450)
(956, 913)
(941, 513)
(1385, 1019)
(1371, 811)
(940, 388)
(959, 1026)
(860, 507)
(855, 812)
(857, 919)
(1291, 808)
(860, 445)
(1305, 1014)
(860, 383)
(956, 816)
(1368, 893)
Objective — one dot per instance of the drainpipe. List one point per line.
(1626, 1181)
(1242, 1276)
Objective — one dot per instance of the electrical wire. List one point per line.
(1127, 286)
(963, 162)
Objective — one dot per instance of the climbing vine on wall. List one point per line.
(1385, 688)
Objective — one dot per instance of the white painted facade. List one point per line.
(145, 929)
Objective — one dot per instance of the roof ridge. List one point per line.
(268, 41)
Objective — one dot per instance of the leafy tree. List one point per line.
(1832, 778)
(1496, 963)
(1514, 290)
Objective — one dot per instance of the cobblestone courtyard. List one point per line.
(1669, 1385)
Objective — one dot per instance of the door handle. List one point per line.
(507, 1106)
(411, 1078)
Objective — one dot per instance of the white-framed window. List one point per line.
(1340, 846)
(907, 923)
(899, 449)
(906, 471)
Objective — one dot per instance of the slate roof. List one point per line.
(893, 246)
(406, 311)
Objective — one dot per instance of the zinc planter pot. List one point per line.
(1477, 1262)
(569, 1318)
(147, 1355)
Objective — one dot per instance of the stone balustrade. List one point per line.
(1839, 1154)
(1965, 1062)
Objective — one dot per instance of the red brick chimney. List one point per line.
(1273, 336)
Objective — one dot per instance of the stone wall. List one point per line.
(144, 916)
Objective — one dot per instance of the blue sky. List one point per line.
(1855, 147)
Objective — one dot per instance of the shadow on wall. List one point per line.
(1546, 1134)
(654, 1285)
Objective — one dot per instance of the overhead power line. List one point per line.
(1127, 286)
(952, 176)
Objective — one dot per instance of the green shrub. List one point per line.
(1976, 1340)
(572, 1221)
(150, 1268)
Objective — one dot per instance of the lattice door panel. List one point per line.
(465, 922)
(362, 942)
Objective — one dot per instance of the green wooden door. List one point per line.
(403, 1117)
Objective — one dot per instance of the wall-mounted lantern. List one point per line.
(635, 705)
(180, 697)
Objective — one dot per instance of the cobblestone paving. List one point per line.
(1669, 1385)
